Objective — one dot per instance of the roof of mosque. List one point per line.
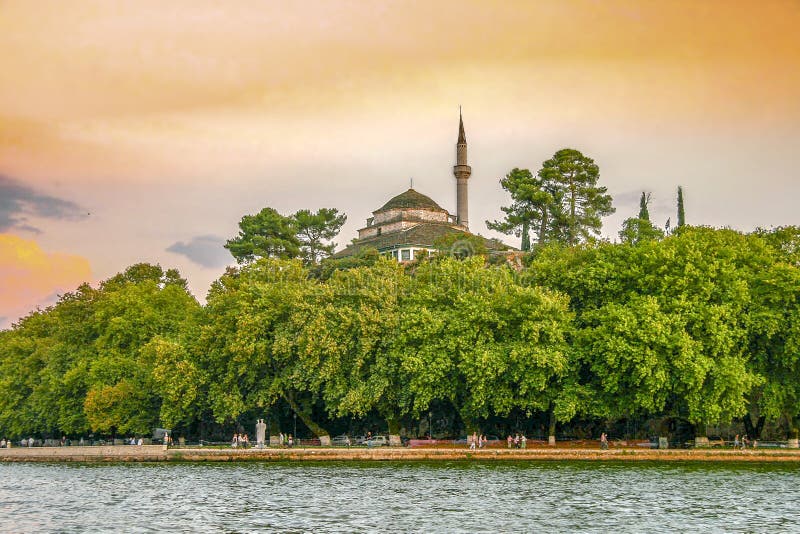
(410, 199)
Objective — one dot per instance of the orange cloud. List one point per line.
(30, 276)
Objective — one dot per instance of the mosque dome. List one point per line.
(410, 200)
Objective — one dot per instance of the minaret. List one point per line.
(462, 172)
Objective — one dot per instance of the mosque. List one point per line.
(411, 223)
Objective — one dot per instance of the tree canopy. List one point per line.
(268, 234)
(563, 203)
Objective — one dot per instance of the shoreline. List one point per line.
(157, 453)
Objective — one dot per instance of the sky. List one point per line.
(144, 130)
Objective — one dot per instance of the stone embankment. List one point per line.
(156, 453)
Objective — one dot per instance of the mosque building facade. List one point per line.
(410, 224)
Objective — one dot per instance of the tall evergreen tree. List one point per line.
(681, 213)
(644, 213)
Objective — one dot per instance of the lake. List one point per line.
(407, 497)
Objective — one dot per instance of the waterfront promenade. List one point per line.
(157, 453)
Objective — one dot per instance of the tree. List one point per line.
(250, 338)
(472, 336)
(638, 229)
(563, 203)
(681, 212)
(774, 320)
(133, 308)
(675, 310)
(460, 245)
(314, 229)
(80, 365)
(268, 234)
(580, 203)
(345, 339)
(531, 210)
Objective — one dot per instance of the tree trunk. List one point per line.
(753, 432)
(394, 431)
(543, 227)
(274, 429)
(305, 416)
(791, 429)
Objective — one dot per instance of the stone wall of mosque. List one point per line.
(412, 214)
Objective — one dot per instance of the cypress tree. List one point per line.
(681, 214)
(644, 213)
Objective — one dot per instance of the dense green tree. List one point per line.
(775, 334)
(249, 335)
(694, 289)
(474, 337)
(79, 365)
(681, 212)
(267, 234)
(132, 309)
(345, 339)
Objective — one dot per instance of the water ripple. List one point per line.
(417, 497)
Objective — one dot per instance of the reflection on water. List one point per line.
(441, 497)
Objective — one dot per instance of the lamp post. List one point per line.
(430, 426)
(295, 428)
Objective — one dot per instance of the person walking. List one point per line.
(736, 441)
(603, 441)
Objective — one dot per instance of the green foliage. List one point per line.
(681, 211)
(670, 317)
(563, 203)
(460, 246)
(533, 203)
(702, 325)
(268, 234)
(639, 229)
(314, 229)
(79, 366)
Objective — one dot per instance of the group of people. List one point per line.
(240, 440)
(476, 441)
(24, 442)
(743, 443)
(517, 441)
(286, 440)
(133, 441)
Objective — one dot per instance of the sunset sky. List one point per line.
(143, 130)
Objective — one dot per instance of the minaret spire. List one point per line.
(462, 172)
(462, 138)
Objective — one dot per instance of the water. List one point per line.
(414, 497)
